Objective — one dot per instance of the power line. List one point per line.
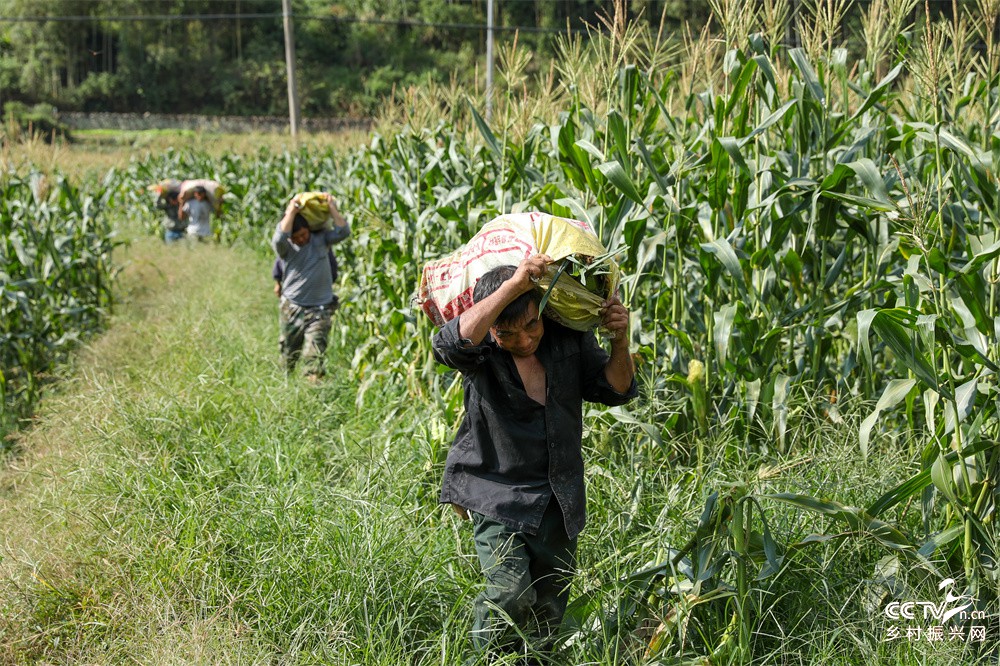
(451, 26)
(275, 1)
(138, 17)
(276, 15)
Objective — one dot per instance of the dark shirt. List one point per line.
(512, 454)
(170, 205)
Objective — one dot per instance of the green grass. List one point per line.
(180, 501)
(253, 514)
(117, 136)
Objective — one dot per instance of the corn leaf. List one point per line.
(922, 479)
(722, 249)
(486, 132)
(723, 331)
(614, 172)
(893, 394)
(548, 292)
(801, 61)
(854, 517)
(878, 91)
(902, 341)
(616, 126)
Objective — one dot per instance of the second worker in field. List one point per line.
(307, 300)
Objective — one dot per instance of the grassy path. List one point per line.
(181, 501)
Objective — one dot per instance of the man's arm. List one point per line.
(291, 210)
(338, 219)
(475, 322)
(619, 370)
(341, 229)
(281, 241)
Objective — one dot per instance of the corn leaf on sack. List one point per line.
(213, 188)
(313, 207)
(446, 284)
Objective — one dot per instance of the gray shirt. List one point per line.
(307, 281)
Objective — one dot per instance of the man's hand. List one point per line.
(614, 317)
(530, 271)
(475, 322)
(291, 210)
(338, 219)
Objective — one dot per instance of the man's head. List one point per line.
(300, 231)
(518, 329)
(200, 192)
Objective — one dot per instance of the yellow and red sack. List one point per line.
(446, 284)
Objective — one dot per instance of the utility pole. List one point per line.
(293, 95)
(489, 58)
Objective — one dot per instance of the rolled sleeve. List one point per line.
(450, 351)
(605, 394)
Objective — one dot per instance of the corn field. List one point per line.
(56, 276)
(800, 229)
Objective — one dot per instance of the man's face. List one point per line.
(301, 237)
(520, 338)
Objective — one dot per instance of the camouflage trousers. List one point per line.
(305, 333)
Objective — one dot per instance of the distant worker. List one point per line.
(307, 301)
(198, 211)
(169, 203)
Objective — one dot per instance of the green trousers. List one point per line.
(527, 584)
(305, 332)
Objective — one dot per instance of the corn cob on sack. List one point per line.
(446, 284)
(213, 188)
(313, 207)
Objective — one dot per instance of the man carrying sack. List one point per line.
(307, 301)
(516, 465)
